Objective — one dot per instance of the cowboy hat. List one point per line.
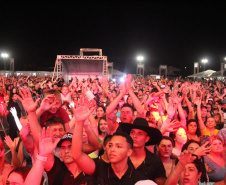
(142, 124)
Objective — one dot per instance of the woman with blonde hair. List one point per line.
(214, 161)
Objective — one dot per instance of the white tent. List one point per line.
(117, 72)
(206, 73)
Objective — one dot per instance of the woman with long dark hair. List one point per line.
(193, 130)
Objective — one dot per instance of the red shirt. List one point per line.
(61, 113)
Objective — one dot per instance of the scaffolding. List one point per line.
(58, 69)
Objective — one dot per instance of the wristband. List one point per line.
(41, 158)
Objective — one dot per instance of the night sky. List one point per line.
(175, 33)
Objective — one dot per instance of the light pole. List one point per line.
(139, 65)
(5, 56)
(204, 61)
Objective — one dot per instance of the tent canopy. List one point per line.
(206, 73)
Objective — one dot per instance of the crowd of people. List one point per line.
(99, 131)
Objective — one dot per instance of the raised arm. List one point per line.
(93, 140)
(85, 163)
(45, 105)
(136, 101)
(190, 108)
(30, 106)
(178, 100)
(170, 113)
(175, 174)
(46, 147)
(202, 126)
(27, 139)
(114, 103)
(16, 161)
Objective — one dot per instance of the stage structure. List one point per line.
(223, 68)
(163, 69)
(140, 69)
(196, 67)
(81, 66)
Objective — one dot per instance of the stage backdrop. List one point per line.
(81, 68)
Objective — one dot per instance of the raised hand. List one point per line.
(27, 101)
(170, 110)
(124, 88)
(176, 99)
(185, 92)
(25, 130)
(10, 143)
(186, 158)
(46, 144)
(129, 82)
(197, 101)
(82, 113)
(172, 126)
(47, 102)
(154, 84)
(202, 150)
(13, 111)
(50, 84)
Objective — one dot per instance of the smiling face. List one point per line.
(217, 146)
(65, 90)
(57, 104)
(190, 175)
(210, 123)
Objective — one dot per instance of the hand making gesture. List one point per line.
(47, 102)
(46, 144)
(27, 101)
(82, 113)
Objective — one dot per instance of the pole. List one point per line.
(5, 66)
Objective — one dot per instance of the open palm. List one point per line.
(27, 101)
(46, 144)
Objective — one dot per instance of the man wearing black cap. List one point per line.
(66, 172)
(143, 160)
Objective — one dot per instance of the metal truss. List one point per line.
(58, 69)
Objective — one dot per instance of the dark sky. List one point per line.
(171, 33)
